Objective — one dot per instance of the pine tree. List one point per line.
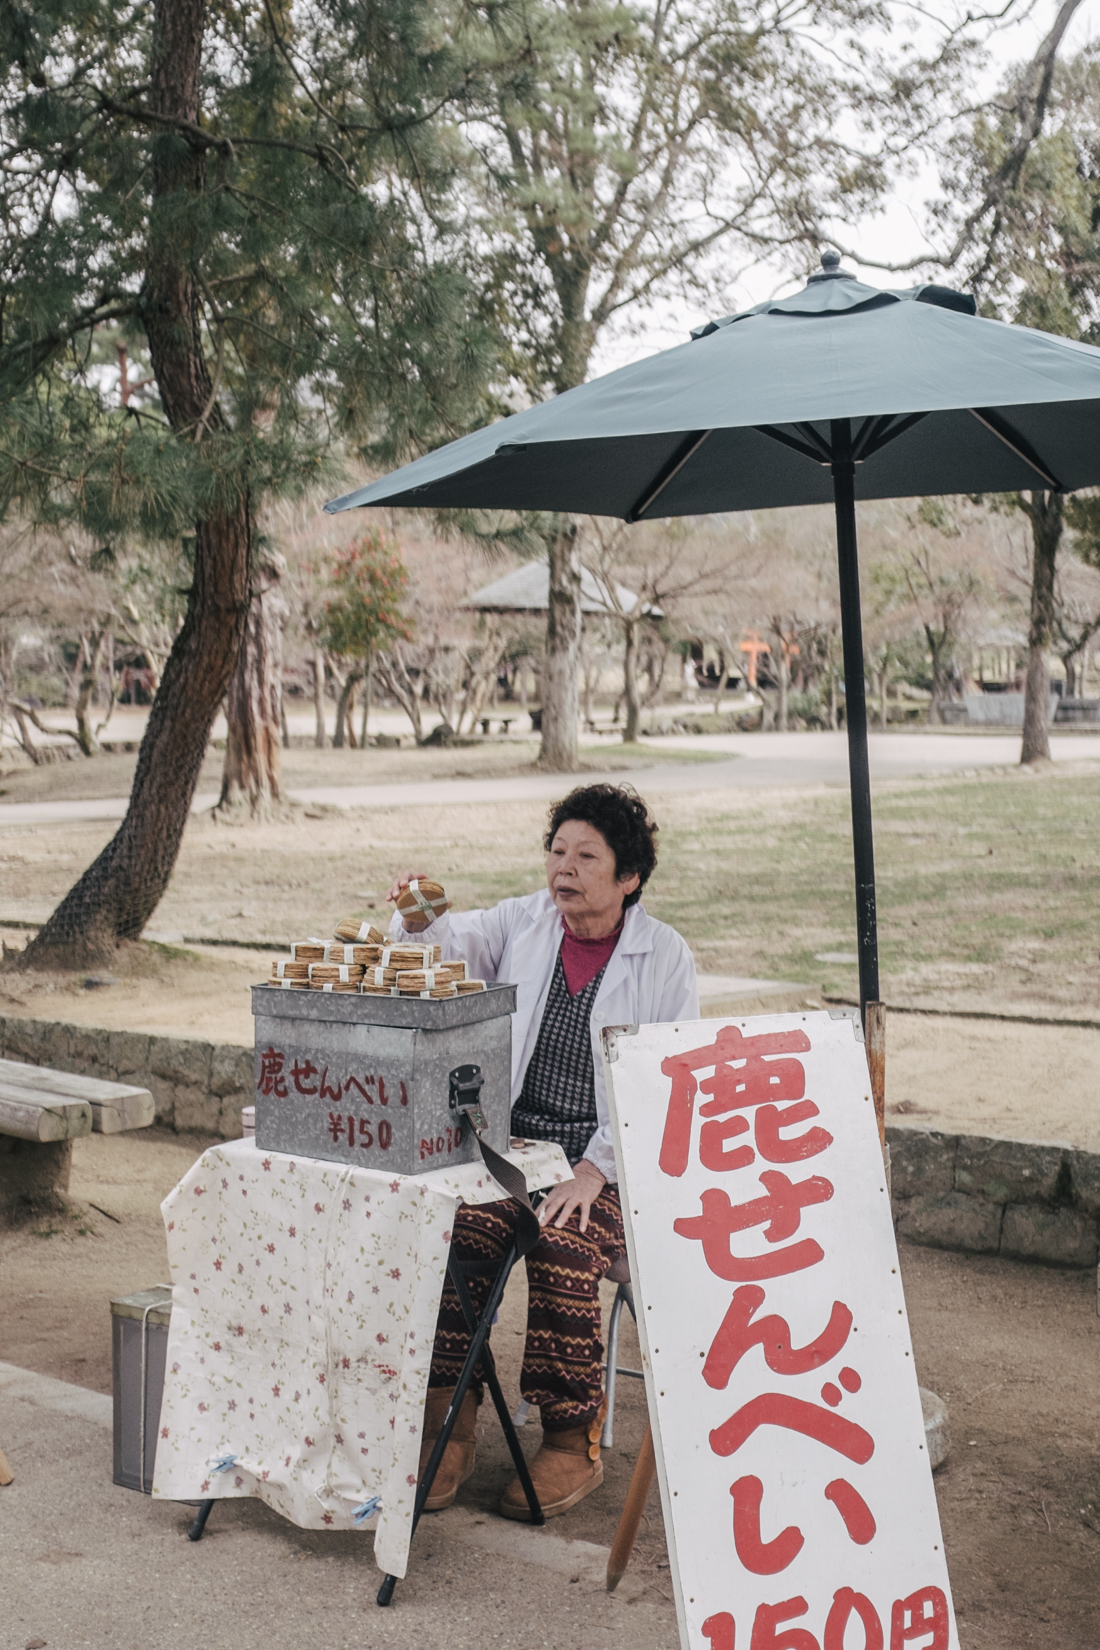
(257, 197)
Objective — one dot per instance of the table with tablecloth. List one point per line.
(304, 1304)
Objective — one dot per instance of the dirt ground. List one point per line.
(1012, 1349)
(987, 903)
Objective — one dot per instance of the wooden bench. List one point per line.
(39, 1103)
(42, 1111)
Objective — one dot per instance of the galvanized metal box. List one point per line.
(366, 1080)
(139, 1338)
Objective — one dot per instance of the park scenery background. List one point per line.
(255, 256)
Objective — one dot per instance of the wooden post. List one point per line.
(633, 1508)
(874, 1032)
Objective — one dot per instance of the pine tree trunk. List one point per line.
(561, 671)
(1045, 513)
(632, 726)
(119, 892)
(319, 697)
(251, 777)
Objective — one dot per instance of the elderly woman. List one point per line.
(584, 953)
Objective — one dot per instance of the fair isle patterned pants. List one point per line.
(562, 1362)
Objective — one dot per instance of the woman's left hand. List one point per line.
(579, 1193)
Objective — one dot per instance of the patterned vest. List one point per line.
(558, 1099)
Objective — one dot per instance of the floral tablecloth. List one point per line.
(304, 1303)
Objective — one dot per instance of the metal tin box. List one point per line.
(139, 1339)
(359, 1079)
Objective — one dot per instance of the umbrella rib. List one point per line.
(883, 432)
(671, 470)
(1002, 429)
(791, 441)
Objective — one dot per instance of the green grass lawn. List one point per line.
(987, 885)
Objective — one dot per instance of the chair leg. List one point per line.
(607, 1436)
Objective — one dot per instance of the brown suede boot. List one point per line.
(565, 1470)
(458, 1458)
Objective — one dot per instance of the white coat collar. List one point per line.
(637, 923)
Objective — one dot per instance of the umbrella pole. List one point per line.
(855, 699)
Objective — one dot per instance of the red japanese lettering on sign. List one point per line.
(858, 1518)
(768, 1633)
(737, 1333)
(846, 1602)
(777, 1409)
(335, 1125)
(780, 1211)
(921, 1613)
(763, 1558)
(327, 1091)
(719, 1630)
(271, 1079)
(757, 1080)
(770, 1144)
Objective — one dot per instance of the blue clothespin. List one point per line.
(224, 1464)
(367, 1510)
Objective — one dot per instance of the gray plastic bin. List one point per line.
(139, 1339)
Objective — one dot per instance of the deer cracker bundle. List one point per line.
(408, 956)
(464, 987)
(335, 974)
(421, 903)
(413, 982)
(345, 953)
(285, 968)
(308, 950)
(354, 932)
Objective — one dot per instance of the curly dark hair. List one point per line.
(624, 822)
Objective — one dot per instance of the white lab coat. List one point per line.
(650, 977)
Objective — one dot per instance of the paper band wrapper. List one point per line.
(354, 932)
(380, 976)
(291, 985)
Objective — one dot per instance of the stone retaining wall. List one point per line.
(195, 1085)
(1025, 1199)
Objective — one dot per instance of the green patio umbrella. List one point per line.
(841, 392)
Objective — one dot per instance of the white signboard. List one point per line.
(790, 1444)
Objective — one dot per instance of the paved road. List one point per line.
(755, 761)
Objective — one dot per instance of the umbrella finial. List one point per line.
(830, 267)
